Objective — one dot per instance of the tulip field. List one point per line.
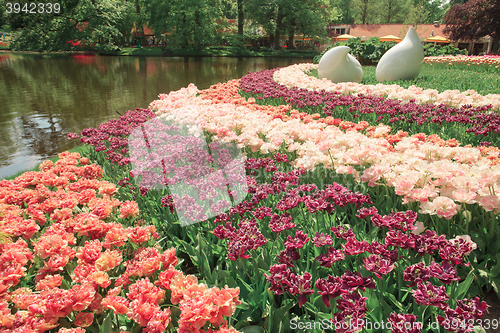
(333, 208)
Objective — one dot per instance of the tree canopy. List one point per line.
(98, 23)
(473, 20)
(192, 23)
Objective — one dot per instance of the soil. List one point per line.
(493, 312)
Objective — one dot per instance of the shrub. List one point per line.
(367, 53)
(431, 50)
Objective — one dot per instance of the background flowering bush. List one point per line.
(72, 255)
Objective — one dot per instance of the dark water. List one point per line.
(43, 98)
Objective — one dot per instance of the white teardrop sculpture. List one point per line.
(337, 65)
(403, 61)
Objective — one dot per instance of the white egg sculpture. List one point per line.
(337, 65)
(403, 61)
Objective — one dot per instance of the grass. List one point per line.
(143, 51)
(483, 79)
(214, 51)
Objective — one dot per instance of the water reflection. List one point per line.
(42, 98)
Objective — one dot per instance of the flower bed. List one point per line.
(462, 59)
(296, 76)
(85, 267)
(303, 246)
(467, 123)
(314, 254)
(269, 224)
(391, 164)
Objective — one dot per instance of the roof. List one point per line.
(365, 31)
(439, 39)
(345, 36)
(390, 37)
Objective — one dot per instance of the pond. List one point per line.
(43, 98)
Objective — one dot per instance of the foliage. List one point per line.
(367, 53)
(191, 23)
(433, 9)
(195, 23)
(386, 11)
(283, 17)
(90, 21)
(431, 50)
(473, 20)
(344, 12)
(392, 11)
(365, 10)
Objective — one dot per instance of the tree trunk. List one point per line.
(364, 11)
(241, 18)
(277, 34)
(184, 40)
(389, 13)
(291, 35)
(139, 24)
(197, 37)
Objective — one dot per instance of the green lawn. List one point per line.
(483, 79)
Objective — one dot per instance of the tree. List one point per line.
(3, 16)
(229, 9)
(263, 12)
(241, 17)
(344, 10)
(363, 7)
(91, 21)
(191, 22)
(435, 10)
(417, 13)
(287, 17)
(473, 20)
(424, 11)
(307, 17)
(391, 11)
